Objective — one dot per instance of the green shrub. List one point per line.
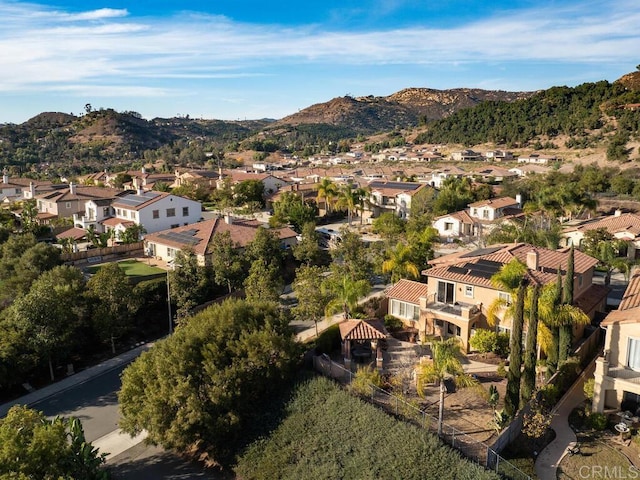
(329, 340)
(484, 340)
(549, 395)
(364, 378)
(502, 344)
(597, 421)
(588, 389)
(393, 324)
(501, 371)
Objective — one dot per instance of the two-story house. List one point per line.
(617, 373)
(386, 196)
(459, 288)
(623, 226)
(64, 203)
(155, 211)
(479, 219)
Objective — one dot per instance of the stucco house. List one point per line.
(459, 288)
(617, 373)
(164, 245)
(455, 225)
(64, 203)
(623, 226)
(387, 196)
(156, 211)
(537, 158)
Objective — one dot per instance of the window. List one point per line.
(67, 205)
(171, 212)
(475, 212)
(445, 292)
(105, 212)
(579, 280)
(171, 252)
(155, 214)
(504, 296)
(185, 211)
(468, 291)
(633, 354)
(405, 310)
(485, 213)
(448, 226)
(118, 212)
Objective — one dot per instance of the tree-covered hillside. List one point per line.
(584, 114)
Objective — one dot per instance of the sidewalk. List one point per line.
(75, 379)
(549, 459)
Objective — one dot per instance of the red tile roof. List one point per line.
(407, 291)
(362, 330)
(548, 263)
(495, 203)
(627, 222)
(629, 309)
(74, 232)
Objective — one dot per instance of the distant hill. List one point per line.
(406, 108)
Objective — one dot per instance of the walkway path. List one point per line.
(549, 459)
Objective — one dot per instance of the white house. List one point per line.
(454, 225)
(493, 208)
(156, 211)
(537, 158)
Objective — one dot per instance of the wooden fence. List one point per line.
(98, 255)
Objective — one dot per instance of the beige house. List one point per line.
(64, 203)
(617, 374)
(197, 237)
(459, 289)
(623, 226)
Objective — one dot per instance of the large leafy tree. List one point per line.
(188, 282)
(201, 389)
(226, 261)
(390, 226)
(266, 246)
(34, 447)
(307, 249)
(112, 303)
(28, 267)
(291, 209)
(445, 365)
(50, 313)
(248, 192)
(264, 282)
(351, 257)
(312, 298)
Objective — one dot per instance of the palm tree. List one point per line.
(327, 190)
(348, 198)
(508, 278)
(445, 364)
(399, 263)
(346, 293)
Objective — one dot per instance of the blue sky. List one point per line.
(242, 59)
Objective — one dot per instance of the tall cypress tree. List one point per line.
(512, 397)
(566, 330)
(552, 354)
(531, 350)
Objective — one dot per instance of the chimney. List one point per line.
(532, 260)
(143, 170)
(519, 200)
(617, 213)
(72, 188)
(140, 191)
(32, 190)
(228, 219)
(5, 176)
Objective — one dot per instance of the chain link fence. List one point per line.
(471, 448)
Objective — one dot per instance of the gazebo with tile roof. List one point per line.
(360, 335)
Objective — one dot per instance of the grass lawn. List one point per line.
(132, 268)
(595, 458)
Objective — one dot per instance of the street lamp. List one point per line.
(173, 266)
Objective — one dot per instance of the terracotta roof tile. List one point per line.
(407, 291)
(613, 224)
(362, 330)
(495, 203)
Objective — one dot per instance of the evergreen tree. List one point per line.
(512, 397)
(531, 350)
(566, 329)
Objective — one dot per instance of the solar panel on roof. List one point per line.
(186, 237)
(454, 269)
(481, 251)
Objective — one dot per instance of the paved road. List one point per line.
(94, 402)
